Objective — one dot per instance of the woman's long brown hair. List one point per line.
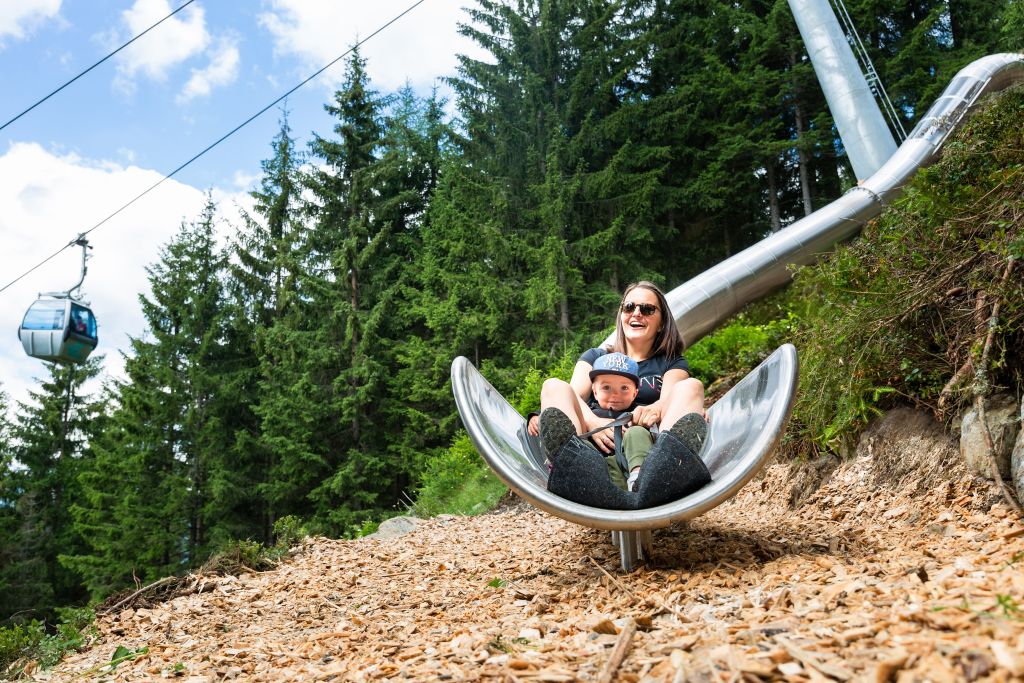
(667, 341)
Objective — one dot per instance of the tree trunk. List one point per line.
(802, 158)
(773, 196)
(353, 279)
(563, 302)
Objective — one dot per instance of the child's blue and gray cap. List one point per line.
(616, 364)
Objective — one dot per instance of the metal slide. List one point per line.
(747, 423)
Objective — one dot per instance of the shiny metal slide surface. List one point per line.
(745, 425)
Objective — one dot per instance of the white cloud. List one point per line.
(222, 70)
(17, 19)
(49, 199)
(176, 40)
(419, 48)
(245, 181)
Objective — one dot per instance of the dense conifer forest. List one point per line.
(299, 376)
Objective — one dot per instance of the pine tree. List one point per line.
(10, 484)
(151, 502)
(262, 287)
(51, 446)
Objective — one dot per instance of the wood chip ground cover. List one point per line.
(860, 583)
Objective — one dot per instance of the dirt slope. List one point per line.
(879, 574)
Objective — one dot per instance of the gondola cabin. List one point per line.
(59, 330)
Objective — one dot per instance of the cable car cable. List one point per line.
(211, 146)
(187, 3)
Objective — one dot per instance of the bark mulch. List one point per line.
(861, 582)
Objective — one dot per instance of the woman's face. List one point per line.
(639, 329)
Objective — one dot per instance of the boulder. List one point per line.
(1003, 415)
(1017, 460)
(395, 527)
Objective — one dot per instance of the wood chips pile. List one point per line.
(860, 583)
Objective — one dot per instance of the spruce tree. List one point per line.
(329, 410)
(263, 285)
(152, 503)
(10, 486)
(51, 444)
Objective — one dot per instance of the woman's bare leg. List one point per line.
(557, 393)
(684, 397)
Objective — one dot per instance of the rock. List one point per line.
(1003, 425)
(1017, 459)
(908, 446)
(395, 527)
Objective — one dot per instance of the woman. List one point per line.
(646, 332)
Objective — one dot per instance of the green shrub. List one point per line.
(737, 348)
(367, 527)
(457, 481)
(241, 555)
(18, 642)
(892, 316)
(21, 643)
(288, 531)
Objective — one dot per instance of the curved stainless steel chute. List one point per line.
(745, 426)
(59, 327)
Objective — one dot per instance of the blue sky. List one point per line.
(84, 153)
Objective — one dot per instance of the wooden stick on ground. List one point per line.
(155, 584)
(661, 603)
(619, 652)
(981, 389)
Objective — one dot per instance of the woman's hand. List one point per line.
(647, 416)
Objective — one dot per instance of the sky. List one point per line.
(81, 155)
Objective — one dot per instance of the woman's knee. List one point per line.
(553, 387)
(693, 386)
(687, 390)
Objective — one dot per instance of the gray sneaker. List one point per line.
(555, 429)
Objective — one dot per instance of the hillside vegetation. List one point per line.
(926, 307)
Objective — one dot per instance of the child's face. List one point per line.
(614, 392)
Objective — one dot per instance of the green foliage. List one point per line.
(1009, 607)
(367, 527)
(18, 642)
(238, 556)
(895, 314)
(457, 482)
(288, 531)
(737, 347)
(22, 643)
(52, 444)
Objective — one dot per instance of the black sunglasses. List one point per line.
(645, 309)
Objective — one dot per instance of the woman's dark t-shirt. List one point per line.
(650, 371)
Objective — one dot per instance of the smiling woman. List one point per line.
(645, 331)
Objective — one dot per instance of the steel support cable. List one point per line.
(874, 81)
(212, 145)
(186, 4)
